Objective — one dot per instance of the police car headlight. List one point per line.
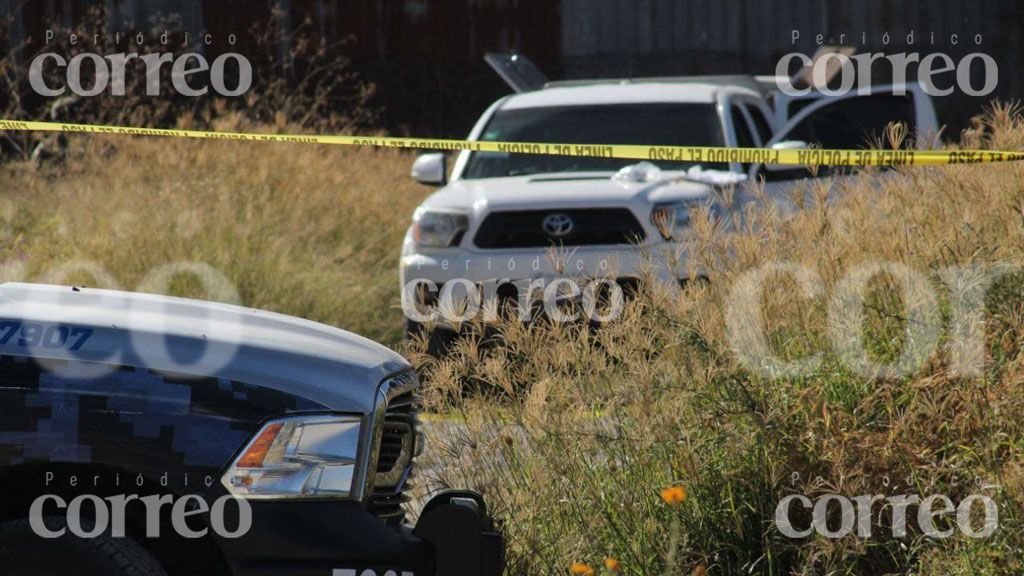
(438, 229)
(303, 457)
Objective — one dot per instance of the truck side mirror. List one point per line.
(785, 145)
(430, 169)
(790, 145)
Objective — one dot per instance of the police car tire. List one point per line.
(23, 553)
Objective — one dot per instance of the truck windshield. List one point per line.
(668, 124)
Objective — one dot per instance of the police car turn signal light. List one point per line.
(301, 457)
(257, 451)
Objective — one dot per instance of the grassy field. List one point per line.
(309, 231)
(574, 435)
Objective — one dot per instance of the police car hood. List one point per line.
(323, 364)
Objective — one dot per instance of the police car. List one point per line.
(150, 435)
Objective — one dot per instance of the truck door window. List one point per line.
(854, 123)
(851, 123)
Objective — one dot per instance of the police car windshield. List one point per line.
(662, 124)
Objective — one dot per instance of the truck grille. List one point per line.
(395, 458)
(590, 227)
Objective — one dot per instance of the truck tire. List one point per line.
(439, 340)
(23, 553)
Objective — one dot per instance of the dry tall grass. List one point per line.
(576, 433)
(573, 434)
(309, 231)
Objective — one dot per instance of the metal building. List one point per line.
(426, 55)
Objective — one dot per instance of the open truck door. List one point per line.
(849, 122)
(518, 71)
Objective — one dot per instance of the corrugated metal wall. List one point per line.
(678, 37)
(425, 55)
(750, 32)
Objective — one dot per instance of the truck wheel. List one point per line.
(439, 340)
(23, 553)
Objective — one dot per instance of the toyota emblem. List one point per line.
(557, 224)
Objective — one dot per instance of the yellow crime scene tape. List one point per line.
(697, 154)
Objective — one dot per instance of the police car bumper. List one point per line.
(453, 537)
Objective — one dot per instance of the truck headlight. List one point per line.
(302, 457)
(671, 217)
(438, 229)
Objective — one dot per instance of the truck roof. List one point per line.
(335, 368)
(763, 84)
(621, 92)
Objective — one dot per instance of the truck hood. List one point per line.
(565, 190)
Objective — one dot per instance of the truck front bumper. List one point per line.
(665, 260)
(448, 287)
(454, 537)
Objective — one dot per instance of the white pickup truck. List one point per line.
(501, 220)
